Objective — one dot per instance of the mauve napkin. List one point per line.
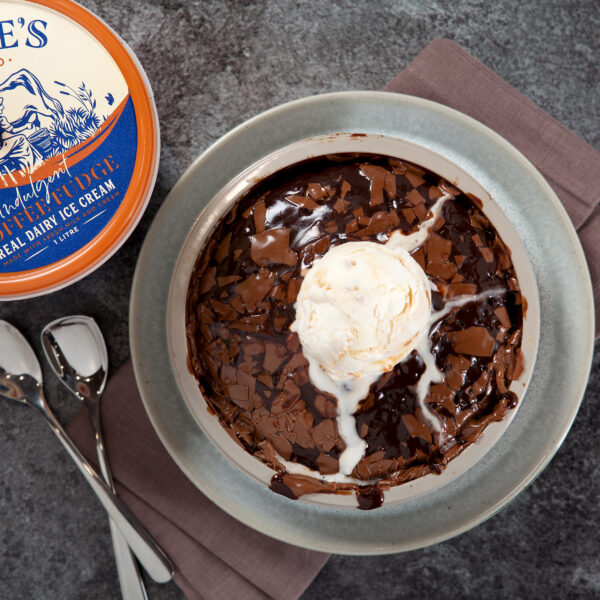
(217, 557)
(447, 74)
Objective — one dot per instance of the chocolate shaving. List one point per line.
(303, 201)
(438, 249)
(275, 354)
(502, 315)
(341, 205)
(435, 192)
(475, 341)
(223, 248)
(415, 198)
(325, 434)
(255, 288)
(461, 289)
(487, 254)
(415, 179)
(282, 445)
(381, 179)
(303, 435)
(327, 464)
(259, 215)
(223, 311)
(208, 281)
(317, 191)
(272, 247)
(346, 187)
(379, 223)
(223, 281)
(445, 271)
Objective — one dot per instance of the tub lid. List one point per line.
(79, 145)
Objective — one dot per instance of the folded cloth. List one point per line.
(216, 556)
(445, 73)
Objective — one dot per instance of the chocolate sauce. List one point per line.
(279, 487)
(369, 497)
(251, 369)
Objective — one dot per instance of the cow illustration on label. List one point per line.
(41, 127)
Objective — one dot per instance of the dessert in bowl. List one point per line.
(353, 314)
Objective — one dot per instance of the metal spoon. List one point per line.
(21, 380)
(76, 351)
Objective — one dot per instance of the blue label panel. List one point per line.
(47, 220)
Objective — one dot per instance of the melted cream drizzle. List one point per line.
(432, 374)
(414, 240)
(348, 402)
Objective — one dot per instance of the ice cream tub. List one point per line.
(79, 145)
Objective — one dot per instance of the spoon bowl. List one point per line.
(20, 372)
(16, 355)
(76, 351)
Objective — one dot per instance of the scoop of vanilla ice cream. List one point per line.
(361, 308)
(360, 311)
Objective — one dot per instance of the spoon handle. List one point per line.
(130, 579)
(151, 556)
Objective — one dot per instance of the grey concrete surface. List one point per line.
(213, 64)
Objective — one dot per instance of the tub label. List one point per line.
(68, 137)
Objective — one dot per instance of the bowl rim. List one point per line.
(404, 527)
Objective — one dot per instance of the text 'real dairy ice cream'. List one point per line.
(360, 310)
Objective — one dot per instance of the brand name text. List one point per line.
(31, 33)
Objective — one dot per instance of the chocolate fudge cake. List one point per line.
(355, 322)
